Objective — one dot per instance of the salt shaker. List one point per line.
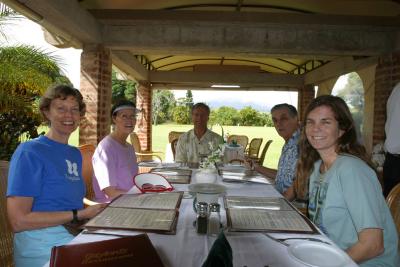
(214, 219)
(202, 218)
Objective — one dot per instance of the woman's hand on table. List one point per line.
(91, 211)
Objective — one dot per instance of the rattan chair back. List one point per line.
(87, 152)
(393, 201)
(6, 233)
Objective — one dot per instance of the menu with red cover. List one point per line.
(129, 251)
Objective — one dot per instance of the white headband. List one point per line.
(126, 107)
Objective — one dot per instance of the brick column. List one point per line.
(387, 75)
(96, 91)
(143, 124)
(305, 96)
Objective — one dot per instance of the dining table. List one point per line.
(259, 249)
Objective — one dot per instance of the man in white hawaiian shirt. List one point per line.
(197, 143)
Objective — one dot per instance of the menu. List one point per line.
(265, 214)
(156, 212)
(174, 175)
(244, 175)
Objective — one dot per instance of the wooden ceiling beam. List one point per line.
(128, 63)
(216, 33)
(65, 18)
(205, 79)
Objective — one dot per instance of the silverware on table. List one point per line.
(282, 240)
(88, 232)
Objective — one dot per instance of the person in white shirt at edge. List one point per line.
(391, 169)
(284, 117)
(195, 143)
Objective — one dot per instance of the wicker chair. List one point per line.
(254, 147)
(260, 160)
(174, 135)
(140, 154)
(393, 201)
(240, 139)
(6, 234)
(173, 147)
(87, 152)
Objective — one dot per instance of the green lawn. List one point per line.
(160, 138)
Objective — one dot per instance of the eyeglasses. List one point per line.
(128, 117)
(152, 182)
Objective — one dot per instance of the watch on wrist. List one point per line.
(74, 216)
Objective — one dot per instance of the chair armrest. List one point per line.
(237, 160)
(149, 154)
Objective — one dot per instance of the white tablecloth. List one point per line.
(187, 248)
(231, 153)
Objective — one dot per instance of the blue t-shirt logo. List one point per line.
(72, 168)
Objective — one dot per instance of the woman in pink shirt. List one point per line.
(114, 161)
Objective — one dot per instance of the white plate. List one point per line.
(149, 164)
(207, 188)
(232, 167)
(318, 254)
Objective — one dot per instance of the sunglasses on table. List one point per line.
(152, 182)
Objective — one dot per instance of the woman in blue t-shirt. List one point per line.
(45, 184)
(345, 197)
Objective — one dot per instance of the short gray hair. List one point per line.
(201, 105)
(291, 109)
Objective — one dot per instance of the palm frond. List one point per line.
(9, 101)
(29, 57)
(26, 71)
(7, 15)
(6, 11)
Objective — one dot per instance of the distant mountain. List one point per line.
(238, 105)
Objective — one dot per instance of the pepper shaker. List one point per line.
(202, 218)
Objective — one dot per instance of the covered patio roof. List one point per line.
(259, 45)
(255, 44)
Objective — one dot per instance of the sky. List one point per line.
(24, 31)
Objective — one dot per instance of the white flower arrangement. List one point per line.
(215, 157)
(378, 155)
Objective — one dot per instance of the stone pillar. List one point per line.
(305, 96)
(143, 124)
(387, 75)
(96, 91)
(325, 88)
(367, 76)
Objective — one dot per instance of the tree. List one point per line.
(251, 117)
(353, 94)
(189, 99)
(25, 73)
(180, 115)
(163, 104)
(267, 119)
(122, 89)
(224, 116)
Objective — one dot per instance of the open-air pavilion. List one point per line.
(258, 45)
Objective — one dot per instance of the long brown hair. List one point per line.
(346, 144)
